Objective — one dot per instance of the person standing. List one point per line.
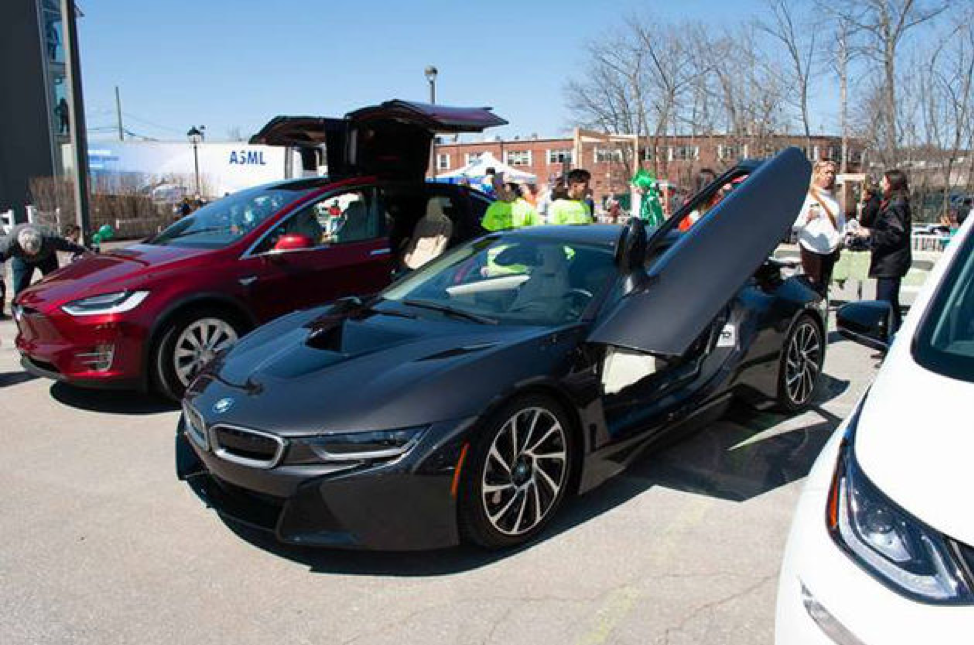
(571, 208)
(509, 211)
(820, 225)
(28, 247)
(871, 199)
(889, 241)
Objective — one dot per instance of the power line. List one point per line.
(152, 123)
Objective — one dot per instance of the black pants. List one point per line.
(818, 268)
(888, 290)
(23, 270)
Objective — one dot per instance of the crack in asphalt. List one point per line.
(712, 605)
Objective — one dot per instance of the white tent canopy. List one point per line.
(477, 170)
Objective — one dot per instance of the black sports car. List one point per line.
(470, 397)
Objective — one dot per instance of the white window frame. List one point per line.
(472, 157)
(517, 164)
(724, 147)
(616, 156)
(440, 157)
(693, 157)
(566, 152)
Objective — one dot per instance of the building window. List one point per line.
(442, 162)
(684, 153)
(855, 156)
(731, 152)
(648, 153)
(608, 155)
(517, 158)
(473, 157)
(558, 157)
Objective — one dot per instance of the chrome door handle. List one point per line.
(385, 251)
(249, 280)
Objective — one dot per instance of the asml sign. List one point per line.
(224, 167)
(247, 157)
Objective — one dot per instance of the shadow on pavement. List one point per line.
(111, 401)
(13, 378)
(743, 455)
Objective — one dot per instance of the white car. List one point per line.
(881, 549)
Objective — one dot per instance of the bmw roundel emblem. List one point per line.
(223, 405)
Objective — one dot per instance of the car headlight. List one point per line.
(357, 446)
(108, 303)
(902, 552)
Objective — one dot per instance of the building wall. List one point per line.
(25, 123)
(676, 160)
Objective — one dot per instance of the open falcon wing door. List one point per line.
(391, 140)
(670, 303)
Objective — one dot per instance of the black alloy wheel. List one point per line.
(518, 473)
(800, 365)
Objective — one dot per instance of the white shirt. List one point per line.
(818, 235)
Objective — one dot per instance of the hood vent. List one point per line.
(458, 351)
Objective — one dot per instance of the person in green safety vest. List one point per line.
(510, 210)
(571, 208)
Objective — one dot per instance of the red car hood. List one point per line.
(104, 273)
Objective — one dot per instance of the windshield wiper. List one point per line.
(352, 306)
(450, 311)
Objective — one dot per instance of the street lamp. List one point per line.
(196, 136)
(431, 73)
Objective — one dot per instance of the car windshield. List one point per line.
(225, 221)
(509, 280)
(945, 340)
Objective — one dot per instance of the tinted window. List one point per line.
(227, 220)
(945, 340)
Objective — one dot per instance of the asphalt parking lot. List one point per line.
(100, 544)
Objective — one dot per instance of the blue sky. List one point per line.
(237, 63)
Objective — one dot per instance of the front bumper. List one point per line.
(92, 351)
(402, 505)
(842, 604)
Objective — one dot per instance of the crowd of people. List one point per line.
(882, 226)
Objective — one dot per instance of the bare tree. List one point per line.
(884, 25)
(799, 45)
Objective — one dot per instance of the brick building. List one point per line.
(610, 158)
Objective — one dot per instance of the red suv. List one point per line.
(150, 315)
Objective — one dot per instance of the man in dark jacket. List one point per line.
(889, 242)
(29, 246)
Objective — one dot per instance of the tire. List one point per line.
(519, 471)
(800, 365)
(202, 332)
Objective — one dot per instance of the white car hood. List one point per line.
(915, 441)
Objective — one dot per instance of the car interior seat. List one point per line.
(356, 227)
(547, 287)
(430, 236)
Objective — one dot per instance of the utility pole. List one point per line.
(77, 121)
(118, 112)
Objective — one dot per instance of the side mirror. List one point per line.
(866, 323)
(293, 242)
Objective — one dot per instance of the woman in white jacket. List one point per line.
(820, 225)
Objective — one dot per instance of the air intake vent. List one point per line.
(458, 351)
(247, 447)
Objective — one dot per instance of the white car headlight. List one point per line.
(108, 303)
(902, 552)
